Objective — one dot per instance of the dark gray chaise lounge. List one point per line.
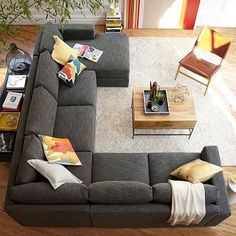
(119, 189)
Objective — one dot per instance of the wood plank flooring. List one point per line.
(8, 227)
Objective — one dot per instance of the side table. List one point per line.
(7, 135)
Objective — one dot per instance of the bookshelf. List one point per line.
(113, 23)
(9, 119)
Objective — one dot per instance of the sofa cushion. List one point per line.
(71, 71)
(46, 75)
(42, 113)
(43, 193)
(83, 92)
(59, 150)
(162, 193)
(120, 192)
(32, 149)
(83, 172)
(162, 164)
(196, 171)
(62, 52)
(114, 62)
(47, 41)
(78, 124)
(120, 167)
(78, 31)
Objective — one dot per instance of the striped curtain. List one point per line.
(131, 14)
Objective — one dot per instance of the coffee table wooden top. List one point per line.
(182, 114)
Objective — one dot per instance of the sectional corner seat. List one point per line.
(119, 189)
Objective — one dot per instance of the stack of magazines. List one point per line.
(113, 22)
(88, 52)
(16, 83)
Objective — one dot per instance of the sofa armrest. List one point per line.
(78, 31)
(211, 154)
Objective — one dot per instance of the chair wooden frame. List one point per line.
(205, 46)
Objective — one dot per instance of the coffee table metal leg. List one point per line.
(190, 133)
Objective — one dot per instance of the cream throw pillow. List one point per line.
(196, 171)
(61, 52)
(55, 173)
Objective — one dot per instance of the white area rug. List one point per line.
(156, 59)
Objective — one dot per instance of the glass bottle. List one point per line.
(18, 60)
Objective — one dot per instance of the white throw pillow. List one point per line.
(55, 173)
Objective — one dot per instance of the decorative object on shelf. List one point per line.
(6, 142)
(18, 60)
(114, 5)
(3, 145)
(181, 93)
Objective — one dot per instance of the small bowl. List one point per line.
(232, 177)
(232, 186)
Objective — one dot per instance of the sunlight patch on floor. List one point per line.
(223, 97)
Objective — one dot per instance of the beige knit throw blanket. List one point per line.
(188, 203)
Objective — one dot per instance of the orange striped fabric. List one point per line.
(131, 14)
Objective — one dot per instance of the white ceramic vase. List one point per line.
(114, 8)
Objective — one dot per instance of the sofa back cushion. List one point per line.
(162, 164)
(32, 149)
(120, 192)
(42, 113)
(46, 75)
(77, 123)
(120, 167)
(47, 41)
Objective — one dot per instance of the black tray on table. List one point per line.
(163, 109)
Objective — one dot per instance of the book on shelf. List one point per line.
(12, 101)
(113, 15)
(113, 24)
(88, 52)
(113, 30)
(16, 82)
(9, 121)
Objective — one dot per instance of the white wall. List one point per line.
(220, 13)
(160, 13)
(77, 17)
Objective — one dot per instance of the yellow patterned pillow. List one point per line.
(59, 150)
(61, 51)
(196, 171)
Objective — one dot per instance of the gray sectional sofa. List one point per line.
(119, 189)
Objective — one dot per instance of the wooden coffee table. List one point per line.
(182, 115)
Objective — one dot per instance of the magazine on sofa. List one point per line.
(88, 52)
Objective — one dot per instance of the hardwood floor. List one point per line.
(8, 227)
